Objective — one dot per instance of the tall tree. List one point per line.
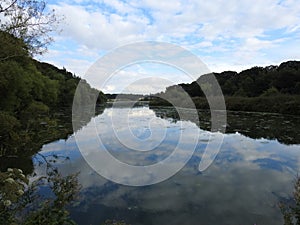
(30, 21)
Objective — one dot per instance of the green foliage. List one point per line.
(29, 21)
(291, 212)
(67, 84)
(53, 211)
(26, 136)
(253, 82)
(35, 109)
(30, 92)
(20, 202)
(11, 47)
(9, 137)
(270, 89)
(241, 92)
(13, 183)
(285, 104)
(24, 80)
(229, 88)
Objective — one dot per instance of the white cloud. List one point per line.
(235, 34)
(209, 20)
(144, 78)
(98, 29)
(148, 85)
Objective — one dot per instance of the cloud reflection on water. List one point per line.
(242, 186)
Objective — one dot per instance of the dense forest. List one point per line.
(31, 94)
(33, 98)
(266, 89)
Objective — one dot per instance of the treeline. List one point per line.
(30, 93)
(124, 97)
(254, 82)
(266, 89)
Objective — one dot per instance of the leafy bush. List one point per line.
(21, 204)
(291, 212)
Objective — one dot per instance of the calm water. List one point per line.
(253, 172)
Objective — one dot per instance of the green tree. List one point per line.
(11, 47)
(30, 21)
(229, 88)
(272, 91)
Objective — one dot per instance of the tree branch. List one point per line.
(7, 8)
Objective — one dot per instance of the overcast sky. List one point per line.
(225, 35)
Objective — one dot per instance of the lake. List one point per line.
(254, 170)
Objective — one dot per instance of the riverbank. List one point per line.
(284, 104)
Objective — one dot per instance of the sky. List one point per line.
(225, 35)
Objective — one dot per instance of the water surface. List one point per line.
(253, 172)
